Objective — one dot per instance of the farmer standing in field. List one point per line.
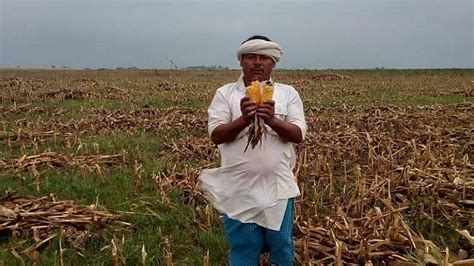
(255, 189)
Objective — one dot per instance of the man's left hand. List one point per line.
(266, 111)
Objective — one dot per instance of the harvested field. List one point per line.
(385, 171)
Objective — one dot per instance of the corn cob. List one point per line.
(253, 92)
(258, 94)
(267, 93)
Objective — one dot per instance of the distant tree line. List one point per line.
(214, 67)
(210, 68)
(127, 68)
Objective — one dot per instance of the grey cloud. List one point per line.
(316, 34)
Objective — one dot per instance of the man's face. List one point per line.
(256, 67)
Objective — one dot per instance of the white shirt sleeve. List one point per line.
(219, 111)
(296, 112)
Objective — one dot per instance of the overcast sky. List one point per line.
(313, 34)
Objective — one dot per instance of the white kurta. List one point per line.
(253, 187)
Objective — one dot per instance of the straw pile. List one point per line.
(103, 121)
(44, 218)
(329, 76)
(58, 160)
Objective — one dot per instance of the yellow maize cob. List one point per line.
(267, 93)
(253, 92)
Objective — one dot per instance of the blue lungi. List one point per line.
(248, 241)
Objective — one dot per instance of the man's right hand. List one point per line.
(248, 109)
(228, 132)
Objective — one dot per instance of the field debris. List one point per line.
(330, 76)
(201, 150)
(370, 164)
(385, 172)
(59, 160)
(45, 217)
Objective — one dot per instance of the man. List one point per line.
(255, 189)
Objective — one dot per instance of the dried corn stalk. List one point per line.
(43, 216)
(258, 93)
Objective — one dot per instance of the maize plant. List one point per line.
(258, 93)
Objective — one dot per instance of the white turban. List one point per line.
(262, 47)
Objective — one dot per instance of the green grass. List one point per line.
(441, 230)
(388, 97)
(425, 100)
